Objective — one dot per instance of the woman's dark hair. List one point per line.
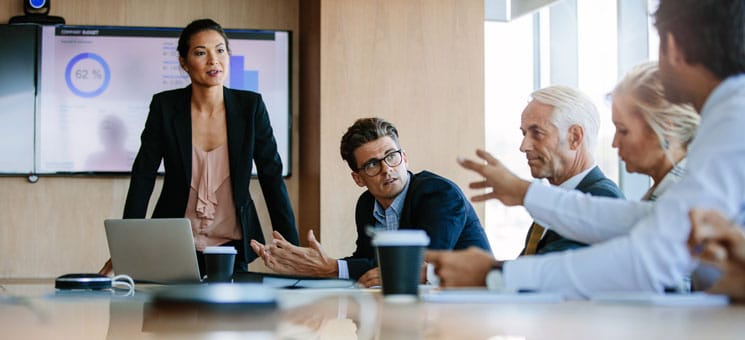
(195, 27)
(709, 32)
(365, 130)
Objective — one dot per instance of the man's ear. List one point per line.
(575, 136)
(358, 179)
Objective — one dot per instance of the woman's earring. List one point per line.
(665, 144)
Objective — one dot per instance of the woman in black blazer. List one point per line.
(204, 118)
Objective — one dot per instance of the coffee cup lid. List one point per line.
(220, 250)
(401, 237)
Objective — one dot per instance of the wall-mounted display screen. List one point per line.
(96, 82)
(17, 98)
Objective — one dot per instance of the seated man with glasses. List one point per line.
(395, 199)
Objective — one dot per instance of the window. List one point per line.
(508, 84)
(519, 57)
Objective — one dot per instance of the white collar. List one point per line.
(574, 181)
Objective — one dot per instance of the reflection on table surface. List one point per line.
(35, 310)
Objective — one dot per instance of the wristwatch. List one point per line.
(494, 280)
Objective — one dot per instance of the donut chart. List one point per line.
(87, 75)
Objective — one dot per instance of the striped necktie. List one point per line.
(534, 237)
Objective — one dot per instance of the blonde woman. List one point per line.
(652, 134)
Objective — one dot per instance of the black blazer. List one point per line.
(433, 203)
(595, 184)
(167, 136)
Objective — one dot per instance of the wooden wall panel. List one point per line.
(310, 120)
(56, 225)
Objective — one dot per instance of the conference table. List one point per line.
(34, 309)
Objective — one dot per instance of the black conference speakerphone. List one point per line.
(82, 281)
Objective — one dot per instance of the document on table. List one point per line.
(288, 281)
(648, 298)
(488, 296)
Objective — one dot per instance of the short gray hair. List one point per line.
(571, 107)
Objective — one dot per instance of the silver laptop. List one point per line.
(157, 250)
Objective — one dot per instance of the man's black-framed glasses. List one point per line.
(374, 166)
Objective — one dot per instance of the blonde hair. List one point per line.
(672, 123)
(571, 107)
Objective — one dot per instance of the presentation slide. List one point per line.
(97, 82)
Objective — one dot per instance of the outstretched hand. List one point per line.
(285, 258)
(506, 186)
(717, 241)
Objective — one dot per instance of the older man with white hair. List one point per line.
(560, 129)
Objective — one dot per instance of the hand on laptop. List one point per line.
(285, 258)
(107, 269)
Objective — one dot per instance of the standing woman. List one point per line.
(208, 136)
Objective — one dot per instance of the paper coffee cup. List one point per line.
(220, 250)
(400, 257)
(219, 262)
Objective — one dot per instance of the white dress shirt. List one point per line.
(641, 246)
(569, 184)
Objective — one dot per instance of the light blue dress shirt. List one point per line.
(386, 218)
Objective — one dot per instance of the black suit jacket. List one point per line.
(595, 184)
(167, 136)
(432, 203)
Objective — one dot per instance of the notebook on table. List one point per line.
(291, 281)
(158, 250)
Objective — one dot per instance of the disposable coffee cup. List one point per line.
(219, 262)
(400, 257)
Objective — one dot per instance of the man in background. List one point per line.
(560, 129)
(395, 199)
